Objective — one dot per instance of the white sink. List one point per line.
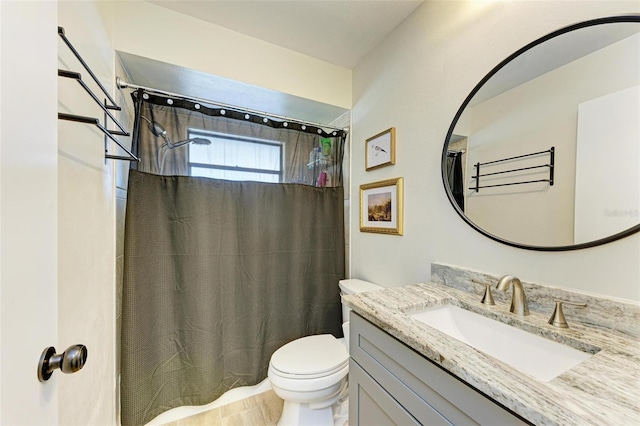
(531, 354)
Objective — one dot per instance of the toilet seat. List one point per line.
(302, 385)
(310, 357)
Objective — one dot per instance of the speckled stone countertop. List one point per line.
(603, 390)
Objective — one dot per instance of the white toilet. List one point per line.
(310, 373)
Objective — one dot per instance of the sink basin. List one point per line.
(531, 354)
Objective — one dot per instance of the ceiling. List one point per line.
(196, 84)
(552, 54)
(339, 32)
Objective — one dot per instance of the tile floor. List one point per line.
(263, 409)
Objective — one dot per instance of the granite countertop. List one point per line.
(603, 390)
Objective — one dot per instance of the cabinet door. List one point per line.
(424, 390)
(370, 404)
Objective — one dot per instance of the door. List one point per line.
(28, 209)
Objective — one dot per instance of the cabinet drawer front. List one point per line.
(419, 385)
(370, 404)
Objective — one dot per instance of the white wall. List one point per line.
(86, 211)
(28, 201)
(416, 80)
(154, 32)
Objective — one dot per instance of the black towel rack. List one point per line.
(109, 104)
(550, 165)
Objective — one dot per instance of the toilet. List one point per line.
(310, 373)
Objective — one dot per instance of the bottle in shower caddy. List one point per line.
(326, 146)
(314, 156)
(322, 179)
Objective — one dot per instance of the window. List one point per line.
(233, 157)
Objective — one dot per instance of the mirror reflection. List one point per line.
(547, 151)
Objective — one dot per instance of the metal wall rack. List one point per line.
(550, 165)
(109, 104)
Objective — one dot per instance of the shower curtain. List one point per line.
(455, 177)
(219, 273)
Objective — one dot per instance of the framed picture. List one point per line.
(381, 207)
(380, 150)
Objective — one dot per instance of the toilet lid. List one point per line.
(311, 355)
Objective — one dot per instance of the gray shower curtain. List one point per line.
(455, 177)
(181, 116)
(218, 275)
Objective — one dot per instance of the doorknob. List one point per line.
(69, 361)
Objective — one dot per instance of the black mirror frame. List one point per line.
(564, 30)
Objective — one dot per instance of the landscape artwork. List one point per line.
(381, 207)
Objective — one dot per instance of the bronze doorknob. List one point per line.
(69, 361)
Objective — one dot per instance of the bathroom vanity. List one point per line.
(433, 353)
(392, 384)
(403, 371)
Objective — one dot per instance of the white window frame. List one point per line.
(197, 133)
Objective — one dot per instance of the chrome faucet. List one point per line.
(518, 299)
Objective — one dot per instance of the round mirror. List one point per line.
(544, 153)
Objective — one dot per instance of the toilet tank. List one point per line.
(352, 286)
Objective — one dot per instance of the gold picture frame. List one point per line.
(380, 150)
(381, 207)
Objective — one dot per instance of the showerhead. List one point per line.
(197, 141)
(201, 141)
(155, 128)
(169, 146)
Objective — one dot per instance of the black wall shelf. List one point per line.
(550, 165)
(109, 104)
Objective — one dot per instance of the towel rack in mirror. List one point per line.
(550, 165)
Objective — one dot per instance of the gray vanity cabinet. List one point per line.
(390, 384)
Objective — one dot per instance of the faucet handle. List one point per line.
(557, 318)
(487, 298)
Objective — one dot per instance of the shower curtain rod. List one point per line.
(121, 84)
